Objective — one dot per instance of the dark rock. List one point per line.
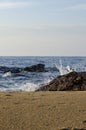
(72, 81)
(16, 70)
(12, 69)
(4, 68)
(35, 68)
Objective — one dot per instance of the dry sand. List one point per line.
(42, 110)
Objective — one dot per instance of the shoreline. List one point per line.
(42, 110)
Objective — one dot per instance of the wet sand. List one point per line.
(43, 110)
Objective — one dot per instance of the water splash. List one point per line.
(63, 70)
(7, 74)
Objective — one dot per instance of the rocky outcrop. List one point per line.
(72, 81)
(11, 69)
(36, 68)
(33, 68)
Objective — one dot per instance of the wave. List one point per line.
(24, 87)
(32, 87)
(7, 74)
(67, 69)
(28, 78)
(28, 87)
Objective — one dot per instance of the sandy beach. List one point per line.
(43, 110)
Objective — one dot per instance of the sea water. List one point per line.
(31, 81)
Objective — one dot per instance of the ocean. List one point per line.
(31, 81)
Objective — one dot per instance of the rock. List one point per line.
(35, 68)
(72, 81)
(10, 69)
(16, 70)
(4, 68)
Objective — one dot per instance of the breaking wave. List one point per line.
(13, 76)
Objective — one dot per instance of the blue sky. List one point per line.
(43, 27)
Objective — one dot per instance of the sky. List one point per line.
(42, 27)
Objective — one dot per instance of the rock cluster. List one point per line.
(33, 68)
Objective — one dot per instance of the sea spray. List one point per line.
(31, 81)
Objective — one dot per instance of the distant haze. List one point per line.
(43, 27)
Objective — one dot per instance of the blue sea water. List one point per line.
(30, 81)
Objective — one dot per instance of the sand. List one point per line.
(42, 110)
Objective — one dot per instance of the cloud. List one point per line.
(10, 5)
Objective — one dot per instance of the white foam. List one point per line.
(7, 74)
(63, 70)
(29, 87)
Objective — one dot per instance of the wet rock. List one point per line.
(16, 70)
(35, 68)
(4, 68)
(10, 69)
(72, 81)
